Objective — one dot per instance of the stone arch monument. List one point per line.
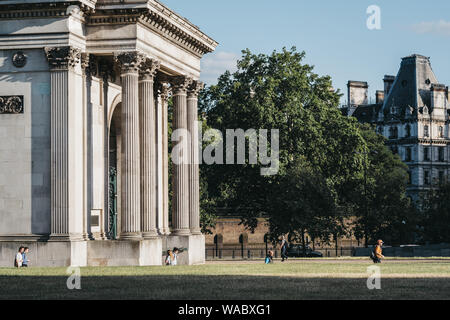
(84, 87)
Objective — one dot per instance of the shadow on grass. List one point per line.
(220, 288)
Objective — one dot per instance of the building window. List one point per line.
(441, 177)
(409, 177)
(426, 153)
(394, 149)
(426, 178)
(393, 133)
(426, 131)
(407, 131)
(441, 132)
(380, 130)
(441, 154)
(408, 154)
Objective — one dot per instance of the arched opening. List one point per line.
(114, 174)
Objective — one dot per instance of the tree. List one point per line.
(382, 208)
(304, 204)
(317, 143)
(435, 214)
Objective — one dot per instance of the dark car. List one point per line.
(296, 251)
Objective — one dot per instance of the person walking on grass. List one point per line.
(18, 261)
(284, 248)
(377, 253)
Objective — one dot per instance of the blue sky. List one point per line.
(333, 34)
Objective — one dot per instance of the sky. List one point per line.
(334, 35)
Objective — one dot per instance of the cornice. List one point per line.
(159, 19)
(17, 10)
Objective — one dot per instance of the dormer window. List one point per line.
(408, 131)
(393, 133)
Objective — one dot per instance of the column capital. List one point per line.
(89, 64)
(130, 61)
(164, 90)
(106, 70)
(180, 84)
(149, 68)
(62, 58)
(194, 88)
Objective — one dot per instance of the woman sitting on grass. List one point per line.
(269, 257)
(171, 258)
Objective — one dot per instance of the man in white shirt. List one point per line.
(19, 258)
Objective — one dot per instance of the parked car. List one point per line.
(296, 251)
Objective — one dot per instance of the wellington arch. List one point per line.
(84, 156)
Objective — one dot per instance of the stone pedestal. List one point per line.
(125, 253)
(193, 245)
(46, 254)
(85, 253)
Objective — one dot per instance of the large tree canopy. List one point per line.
(322, 153)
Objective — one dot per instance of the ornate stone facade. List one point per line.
(413, 113)
(90, 88)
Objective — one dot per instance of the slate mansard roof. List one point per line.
(412, 86)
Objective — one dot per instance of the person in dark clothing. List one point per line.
(284, 248)
(25, 258)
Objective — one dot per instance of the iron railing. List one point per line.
(260, 253)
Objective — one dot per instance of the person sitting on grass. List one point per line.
(169, 258)
(175, 251)
(25, 259)
(269, 257)
(19, 258)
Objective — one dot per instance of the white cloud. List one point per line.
(216, 64)
(440, 27)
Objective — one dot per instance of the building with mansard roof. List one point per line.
(413, 113)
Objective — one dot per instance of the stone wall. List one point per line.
(25, 146)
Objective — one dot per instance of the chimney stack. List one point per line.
(357, 93)
(388, 83)
(379, 96)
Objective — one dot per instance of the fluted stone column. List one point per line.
(180, 201)
(131, 200)
(194, 184)
(165, 91)
(87, 82)
(148, 149)
(62, 62)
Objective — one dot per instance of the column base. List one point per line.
(181, 232)
(131, 236)
(65, 237)
(193, 248)
(196, 232)
(150, 235)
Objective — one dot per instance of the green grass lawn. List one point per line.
(301, 279)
